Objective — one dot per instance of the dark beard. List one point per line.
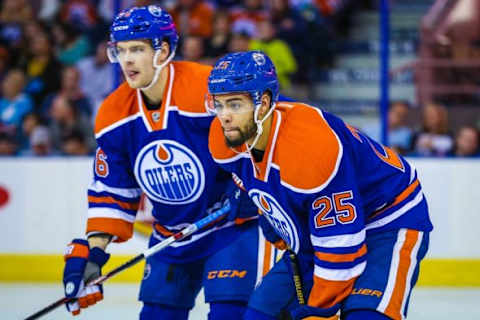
(249, 133)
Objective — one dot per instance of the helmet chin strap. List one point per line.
(259, 124)
(158, 68)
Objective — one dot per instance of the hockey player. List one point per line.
(152, 135)
(351, 209)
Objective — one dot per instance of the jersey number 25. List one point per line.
(340, 203)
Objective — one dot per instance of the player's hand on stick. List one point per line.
(82, 265)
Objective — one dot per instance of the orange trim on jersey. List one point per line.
(327, 293)
(394, 307)
(267, 258)
(119, 105)
(402, 196)
(334, 257)
(354, 132)
(123, 205)
(216, 143)
(306, 141)
(122, 229)
(162, 230)
(190, 86)
(77, 250)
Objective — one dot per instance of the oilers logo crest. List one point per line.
(169, 172)
(277, 217)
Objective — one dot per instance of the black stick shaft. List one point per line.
(297, 277)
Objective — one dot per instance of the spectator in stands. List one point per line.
(193, 17)
(74, 144)
(71, 44)
(70, 90)
(252, 11)
(193, 49)
(65, 118)
(15, 11)
(40, 143)
(42, 68)
(29, 123)
(96, 77)
(14, 104)
(217, 44)
(278, 50)
(80, 13)
(434, 138)
(8, 145)
(4, 62)
(467, 142)
(242, 34)
(13, 15)
(400, 135)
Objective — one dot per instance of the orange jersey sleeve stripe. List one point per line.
(123, 205)
(327, 293)
(402, 196)
(122, 229)
(334, 257)
(394, 307)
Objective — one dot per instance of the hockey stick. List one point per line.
(147, 253)
(297, 280)
(297, 277)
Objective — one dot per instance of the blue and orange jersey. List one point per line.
(162, 153)
(325, 186)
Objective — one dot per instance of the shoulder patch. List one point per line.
(309, 150)
(119, 105)
(221, 153)
(190, 86)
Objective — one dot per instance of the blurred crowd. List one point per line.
(54, 71)
(430, 136)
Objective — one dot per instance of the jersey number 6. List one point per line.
(345, 211)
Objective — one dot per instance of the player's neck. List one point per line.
(154, 95)
(263, 140)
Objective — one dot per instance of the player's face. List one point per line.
(136, 60)
(235, 112)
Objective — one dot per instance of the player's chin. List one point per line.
(234, 142)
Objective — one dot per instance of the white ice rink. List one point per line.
(20, 300)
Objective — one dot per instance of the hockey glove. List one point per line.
(305, 311)
(270, 234)
(242, 207)
(82, 265)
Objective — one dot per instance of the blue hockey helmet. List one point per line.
(250, 71)
(144, 23)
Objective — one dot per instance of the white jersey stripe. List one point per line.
(117, 124)
(396, 214)
(98, 186)
(344, 240)
(340, 274)
(261, 256)
(392, 274)
(411, 268)
(110, 213)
